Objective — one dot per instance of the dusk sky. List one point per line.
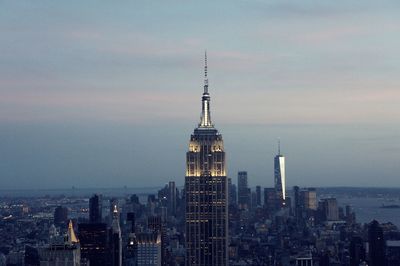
(106, 93)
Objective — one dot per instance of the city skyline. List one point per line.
(90, 94)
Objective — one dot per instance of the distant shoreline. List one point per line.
(78, 192)
(124, 191)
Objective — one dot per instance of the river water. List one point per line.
(369, 208)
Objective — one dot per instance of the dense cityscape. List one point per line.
(313, 229)
(211, 220)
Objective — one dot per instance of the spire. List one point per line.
(205, 73)
(115, 219)
(72, 239)
(205, 112)
(115, 210)
(279, 146)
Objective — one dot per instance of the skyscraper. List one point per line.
(330, 209)
(297, 204)
(376, 245)
(148, 249)
(258, 193)
(171, 198)
(94, 242)
(156, 225)
(95, 209)
(68, 253)
(243, 191)
(232, 195)
(280, 178)
(206, 192)
(357, 251)
(308, 199)
(270, 199)
(116, 240)
(60, 216)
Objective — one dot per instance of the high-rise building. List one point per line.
(258, 195)
(68, 253)
(163, 196)
(330, 209)
(135, 199)
(206, 190)
(280, 178)
(297, 204)
(171, 198)
(130, 248)
(269, 199)
(357, 251)
(148, 249)
(130, 217)
(308, 199)
(60, 216)
(112, 203)
(232, 195)
(94, 243)
(156, 225)
(60, 254)
(243, 191)
(376, 244)
(253, 199)
(116, 240)
(95, 209)
(304, 259)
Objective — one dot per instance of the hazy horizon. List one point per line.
(107, 94)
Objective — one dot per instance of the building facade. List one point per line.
(148, 249)
(232, 194)
(308, 199)
(258, 196)
(243, 191)
(171, 198)
(376, 245)
(66, 254)
(330, 209)
(95, 209)
(206, 192)
(116, 239)
(94, 242)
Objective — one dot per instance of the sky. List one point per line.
(106, 94)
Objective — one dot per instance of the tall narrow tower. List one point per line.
(116, 240)
(206, 192)
(280, 178)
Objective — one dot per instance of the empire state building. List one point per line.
(206, 192)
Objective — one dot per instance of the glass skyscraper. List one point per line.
(280, 178)
(206, 192)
